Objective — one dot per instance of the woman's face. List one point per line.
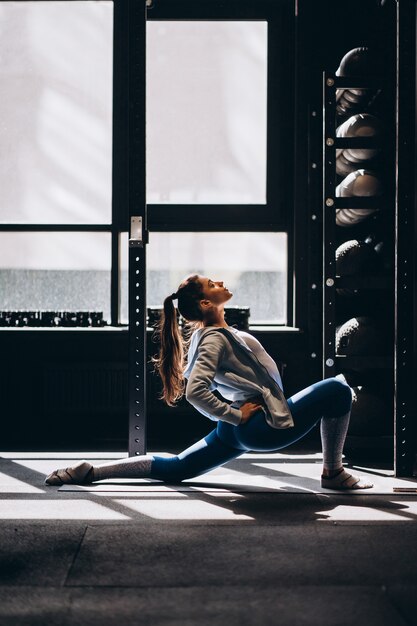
(215, 291)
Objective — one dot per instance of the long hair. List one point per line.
(170, 361)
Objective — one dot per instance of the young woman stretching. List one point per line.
(257, 417)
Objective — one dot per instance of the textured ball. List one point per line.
(360, 336)
(371, 413)
(360, 125)
(351, 97)
(356, 257)
(358, 62)
(344, 166)
(362, 183)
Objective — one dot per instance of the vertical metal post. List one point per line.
(329, 226)
(405, 288)
(315, 243)
(137, 228)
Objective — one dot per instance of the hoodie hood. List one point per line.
(197, 336)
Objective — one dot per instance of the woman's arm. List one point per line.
(198, 391)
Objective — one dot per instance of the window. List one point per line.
(56, 112)
(55, 271)
(206, 112)
(252, 265)
(219, 114)
(56, 77)
(219, 155)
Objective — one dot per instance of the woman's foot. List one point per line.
(79, 474)
(342, 480)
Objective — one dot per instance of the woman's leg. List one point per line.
(330, 401)
(327, 399)
(206, 454)
(199, 458)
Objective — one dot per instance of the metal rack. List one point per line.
(137, 228)
(330, 203)
(397, 361)
(334, 363)
(405, 286)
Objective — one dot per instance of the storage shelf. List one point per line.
(358, 142)
(61, 329)
(369, 281)
(358, 82)
(365, 362)
(359, 202)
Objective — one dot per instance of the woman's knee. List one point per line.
(170, 469)
(342, 394)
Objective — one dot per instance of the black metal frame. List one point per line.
(329, 247)
(404, 347)
(312, 278)
(137, 216)
(405, 274)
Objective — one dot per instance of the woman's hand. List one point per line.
(248, 409)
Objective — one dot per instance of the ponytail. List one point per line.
(170, 361)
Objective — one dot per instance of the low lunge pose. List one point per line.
(250, 409)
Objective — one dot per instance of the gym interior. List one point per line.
(266, 143)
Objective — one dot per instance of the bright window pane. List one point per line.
(55, 272)
(56, 112)
(252, 265)
(206, 112)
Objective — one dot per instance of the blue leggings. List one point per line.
(328, 398)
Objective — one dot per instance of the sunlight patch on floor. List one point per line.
(9, 484)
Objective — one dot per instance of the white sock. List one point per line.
(131, 467)
(333, 432)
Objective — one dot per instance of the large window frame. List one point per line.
(119, 159)
(274, 216)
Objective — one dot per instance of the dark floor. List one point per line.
(201, 557)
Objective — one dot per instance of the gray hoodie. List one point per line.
(218, 360)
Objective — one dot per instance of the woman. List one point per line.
(257, 417)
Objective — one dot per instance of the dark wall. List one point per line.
(67, 389)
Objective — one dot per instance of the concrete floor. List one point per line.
(134, 553)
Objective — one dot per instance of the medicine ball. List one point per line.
(358, 62)
(360, 125)
(360, 336)
(344, 166)
(372, 413)
(361, 183)
(356, 257)
(351, 97)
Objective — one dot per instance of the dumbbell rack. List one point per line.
(332, 362)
